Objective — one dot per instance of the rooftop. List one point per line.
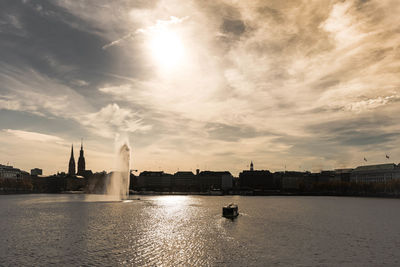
(388, 166)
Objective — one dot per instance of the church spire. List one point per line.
(81, 161)
(71, 165)
(251, 166)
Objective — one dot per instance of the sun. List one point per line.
(166, 48)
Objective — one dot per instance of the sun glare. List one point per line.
(166, 48)
(173, 200)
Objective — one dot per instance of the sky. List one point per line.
(301, 85)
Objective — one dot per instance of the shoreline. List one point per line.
(285, 194)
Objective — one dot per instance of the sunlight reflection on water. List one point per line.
(172, 200)
(189, 230)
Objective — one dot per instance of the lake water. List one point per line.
(38, 230)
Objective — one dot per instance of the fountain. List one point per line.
(117, 185)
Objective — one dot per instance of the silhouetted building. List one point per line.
(154, 181)
(214, 180)
(11, 172)
(376, 173)
(71, 166)
(57, 183)
(257, 179)
(343, 175)
(184, 181)
(326, 176)
(87, 173)
(81, 162)
(293, 180)
(133, 182)
(36, 172)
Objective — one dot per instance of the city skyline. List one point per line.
(200, 84)
(79, 167)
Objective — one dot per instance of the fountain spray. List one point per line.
(118, 183)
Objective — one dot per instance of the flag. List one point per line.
(387, 156)
(365, 159)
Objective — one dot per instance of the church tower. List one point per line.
(71, 166)
(81, 162)
(251, 166)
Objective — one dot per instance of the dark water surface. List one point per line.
(41, 230)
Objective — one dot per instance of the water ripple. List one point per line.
(189, 231)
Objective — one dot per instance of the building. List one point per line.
(226, 181)
(81, 162)
(71, 165)
(343, 175)
(258, 179)
(184, 181)
(87, 173)
(294, 180)
(36, 172)
(214, 180)
(9, 172)
(326, 176)
(375, 173)
(154, 181)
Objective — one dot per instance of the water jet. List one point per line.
(117, 186)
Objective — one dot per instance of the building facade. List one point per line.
(9, 172)
(154, 181)
(214, 180)
(184, 181)
(376, 173)
(258, 179)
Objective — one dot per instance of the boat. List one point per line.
(230, 211)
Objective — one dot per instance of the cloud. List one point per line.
(158, 25)
(29, 91)
(342, 24)
(116, 42)
(80, 83)
(236, 27)
(112, 119)
(370, 104)
(33, 136)
(289, 62)
(122, 90)
(233, 133)
(312, 83)
(162, 24)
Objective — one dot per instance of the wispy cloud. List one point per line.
(370, 104)
(159, 24)
(29, 91)
(112, 120)
(33, 136)
(116, 42)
